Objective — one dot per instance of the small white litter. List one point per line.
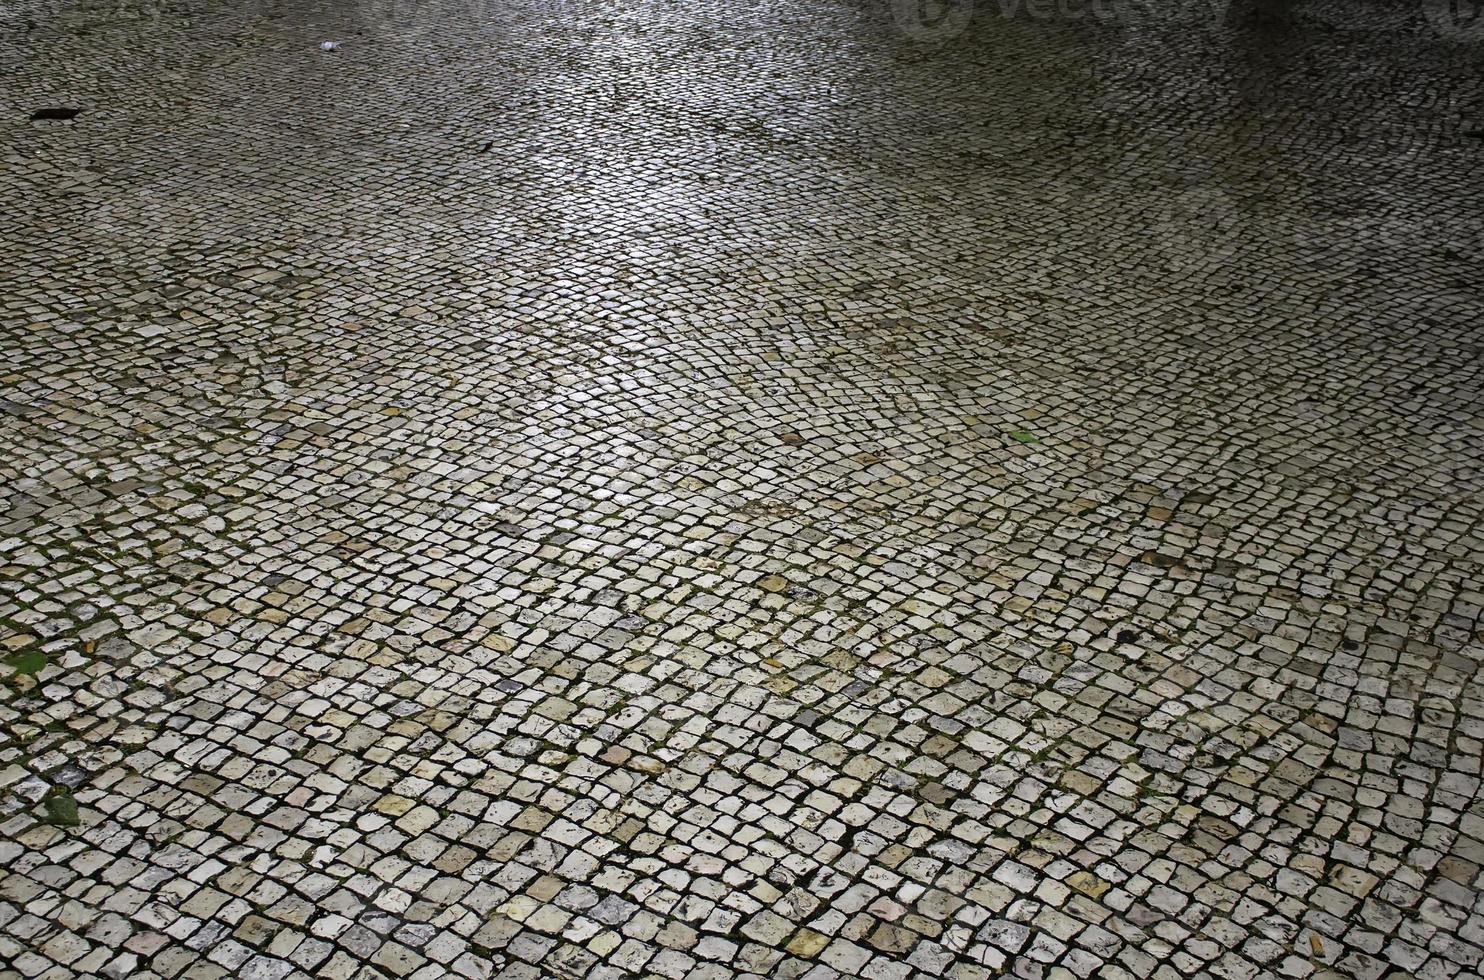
(329, 45)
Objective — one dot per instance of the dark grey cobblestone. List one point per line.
(742, 489)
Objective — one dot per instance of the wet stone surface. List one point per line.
(739, 490)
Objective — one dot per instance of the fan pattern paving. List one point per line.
(751, 489)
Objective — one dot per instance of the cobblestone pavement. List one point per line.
(749, 489)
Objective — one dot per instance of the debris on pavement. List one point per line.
(54, 112)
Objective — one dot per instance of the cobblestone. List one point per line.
(735, 490)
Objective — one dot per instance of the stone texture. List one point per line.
(736, 490)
